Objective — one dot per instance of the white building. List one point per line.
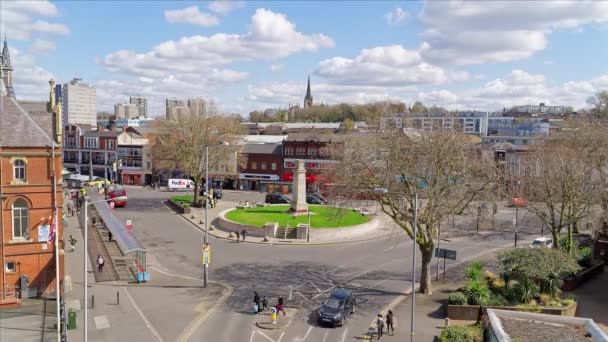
(141, 103)
(126, 111)
(79, 103)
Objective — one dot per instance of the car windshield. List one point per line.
(118, 192)
(333, 303)
(538, 242)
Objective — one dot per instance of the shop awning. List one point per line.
(288, 177)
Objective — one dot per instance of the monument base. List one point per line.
(299, 212)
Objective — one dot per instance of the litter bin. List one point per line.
(71, 320)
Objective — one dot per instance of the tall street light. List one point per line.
(207, 200)
(384, 191)
(85, 280)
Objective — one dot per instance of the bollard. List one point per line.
(290, 292)
(92, 301)
(117, 298)
(447, 322)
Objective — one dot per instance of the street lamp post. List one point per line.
(413, 308)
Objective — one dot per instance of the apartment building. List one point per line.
(79, 103)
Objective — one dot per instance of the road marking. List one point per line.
(301, 339)
(378, 283)
(303, 296)
(269, 339)
(317, 295)
(143, 317)
(325, 336)
(344, 335)
(316, 287)
(395, 245)
(252, 335)
(101, 322)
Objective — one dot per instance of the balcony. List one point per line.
(99, 162)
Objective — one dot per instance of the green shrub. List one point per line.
(526, 290)
(456, 334)
(186, 205)
(474, 270)
(585, 257)
(497, 299)
(568, 301)
(477, 292)
(552, 285)
(490, 277)
(457, 298)
(545, 299)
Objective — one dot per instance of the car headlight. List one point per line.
(337, 316)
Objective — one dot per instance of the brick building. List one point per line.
(30, 191)
(263, 169)
(314, 149)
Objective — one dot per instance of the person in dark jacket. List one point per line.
(389, 322)
(244, 233)
(256, 300)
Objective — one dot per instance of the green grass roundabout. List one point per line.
(320, 216)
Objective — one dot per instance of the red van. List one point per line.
(118, 196)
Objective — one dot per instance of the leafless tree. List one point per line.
(445, 168)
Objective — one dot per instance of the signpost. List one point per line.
(129, 225)
(112, 204)
(445, 254)
(206, 254)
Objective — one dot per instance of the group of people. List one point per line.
(238, 235)
(261, 303)
(388, 321)
(75, 203)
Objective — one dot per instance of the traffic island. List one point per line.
(263, 321)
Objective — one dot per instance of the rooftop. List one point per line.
(262, 148)
(314, 137)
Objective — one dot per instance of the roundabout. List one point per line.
(320, 216)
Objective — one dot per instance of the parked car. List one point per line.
(276, 198)
(542, 242)
(518, 202)
(315, 199)
(340, 305)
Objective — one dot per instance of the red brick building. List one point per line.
(30, 191)
(263, 169)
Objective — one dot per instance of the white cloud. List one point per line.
(30, 80)
(42, 46)
(276, 67)
(472, 32)
(191, 15)
(19, 19)
(397, 16)
(225, 6)
(386, 65)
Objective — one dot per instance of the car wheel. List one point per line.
(341, 323)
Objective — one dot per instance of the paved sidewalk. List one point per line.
(592, 299)
(430, 310)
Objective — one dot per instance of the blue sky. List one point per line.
(247, 55)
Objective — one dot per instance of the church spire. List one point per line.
(6, 58)
(7, 70)
(308, 98)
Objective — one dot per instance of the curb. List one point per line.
(286, 243)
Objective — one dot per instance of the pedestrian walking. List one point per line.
(100, 263)
(380, 325)
(244, 233)
(280, 306)
(256, 300)
(264, 303)
(109, 236)
(72, 243)
(389, 322)
(238, 236)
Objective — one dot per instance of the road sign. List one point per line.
(129, 225)
(445, 253)
(112, 204)
(206, 254)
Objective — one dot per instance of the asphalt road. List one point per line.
(376, 271)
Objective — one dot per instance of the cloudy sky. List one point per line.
(248, 55)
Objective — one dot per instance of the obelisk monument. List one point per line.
(298, 202)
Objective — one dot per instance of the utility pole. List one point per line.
(516, 222)
(412, 325)
(205, 271)
(438, 247)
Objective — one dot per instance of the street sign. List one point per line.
(129, 225)
(112, 204)
(445, 253)
(206, 254)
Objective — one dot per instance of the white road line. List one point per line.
(252, 335)
(378, 283)
(344, 335)
(269, 339)
(281, 337)
(303, 296)
(143, 317)
(388, 249)
(325, 336)
(317, 295)
(316, 287)
(301, 339)
(174, 275)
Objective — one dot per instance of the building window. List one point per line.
(300, 151)
(11, 267)
(254, 165)
(264, 166)
(273, 166)
(20, 219)
(19, 169)
(90, 143)
(110, 144)
(312, 152)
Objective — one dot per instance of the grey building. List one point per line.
(126, 111)
(141, 103)
(170, 104)
(197, 107)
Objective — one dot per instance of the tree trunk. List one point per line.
(425, 268)
(197, 185)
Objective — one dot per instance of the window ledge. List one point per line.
(18, 182)
(19, 241)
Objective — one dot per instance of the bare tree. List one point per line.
(599, 103)
(184, 139)
(560, 187)
(444, 168)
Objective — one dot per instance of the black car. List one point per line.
(217, 193)
(315, 199)
(277, 198)
(340, 305)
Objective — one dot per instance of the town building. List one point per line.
(263, 168)
(119, 155)
(467, 122)
(197, 107)
(126, 111)
(119, 123)
(314, 149)
(79, 103)
(31, 198)
(308, 98)
(142, 105)
(170, 113)
(542, 109)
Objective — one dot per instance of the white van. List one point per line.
(180, 184)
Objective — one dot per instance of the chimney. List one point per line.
(124, 128)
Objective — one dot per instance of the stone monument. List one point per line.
(298, 202)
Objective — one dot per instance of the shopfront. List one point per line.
(258, 182)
